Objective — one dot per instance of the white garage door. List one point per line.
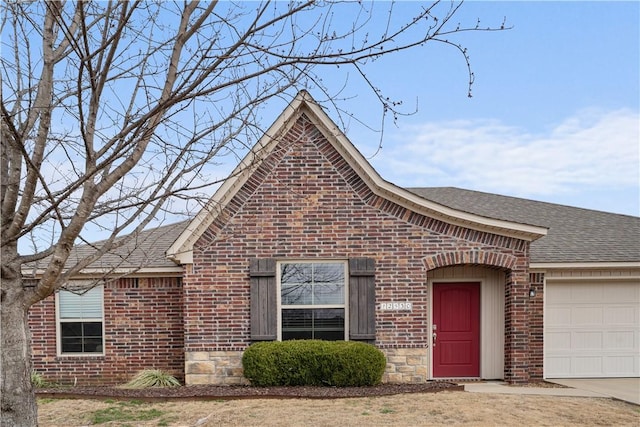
(592, 330)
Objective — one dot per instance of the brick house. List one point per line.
(306, 240)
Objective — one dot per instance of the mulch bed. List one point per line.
(211, 392)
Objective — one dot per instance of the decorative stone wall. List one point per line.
(214, 367)
(405, 365)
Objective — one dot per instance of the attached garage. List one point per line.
(592, 329)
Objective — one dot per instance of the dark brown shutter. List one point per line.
(264, 326)
(362, 299)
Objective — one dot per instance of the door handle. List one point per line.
(435, 337)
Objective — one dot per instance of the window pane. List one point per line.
(297, 324)
(312, 283)
(296, 294)
(329, 319)
(328, 293)
(70, 305)
(329, 335)
(79, 337)
(296, 320)
(295, 273)
(80, 305)
(328, 273)
(71, 345)
(92, 345)
(71, 329)
(93, 329)
(325, 324)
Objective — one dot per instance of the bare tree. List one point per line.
(112, 110)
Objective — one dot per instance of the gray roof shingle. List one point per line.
(146, 250)
(575, 234)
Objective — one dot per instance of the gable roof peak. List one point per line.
(303, 103)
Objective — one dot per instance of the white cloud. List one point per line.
(594, 149)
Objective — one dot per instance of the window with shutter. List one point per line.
(80, 321)
(312, 299)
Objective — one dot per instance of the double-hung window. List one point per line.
(312, 300)
(80, 321)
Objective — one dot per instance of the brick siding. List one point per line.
(305, 202)
(143, 330)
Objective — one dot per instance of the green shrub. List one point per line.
(152, 378)
(313, 363)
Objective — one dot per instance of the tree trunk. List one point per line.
(18, 398)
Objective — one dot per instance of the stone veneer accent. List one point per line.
(405, 365)
(214, 367)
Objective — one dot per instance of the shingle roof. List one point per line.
(575, 234)
(146, 250)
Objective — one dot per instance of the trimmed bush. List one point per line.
(313, 363)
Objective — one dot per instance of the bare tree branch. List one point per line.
(112, 111)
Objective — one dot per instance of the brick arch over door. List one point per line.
(517, 368)
(479, 257)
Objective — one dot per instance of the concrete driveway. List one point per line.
(627, 389)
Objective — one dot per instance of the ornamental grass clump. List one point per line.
(152, 378)
(38, 380)
(313, 363)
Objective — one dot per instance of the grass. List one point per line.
(126, 411)
(404, 409)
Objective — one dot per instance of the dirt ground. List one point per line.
(408, 409)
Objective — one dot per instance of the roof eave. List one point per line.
(176, 271)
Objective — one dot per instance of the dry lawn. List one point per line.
(444, 408)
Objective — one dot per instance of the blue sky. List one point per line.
(554, 114)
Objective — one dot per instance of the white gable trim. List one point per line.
(182, 249)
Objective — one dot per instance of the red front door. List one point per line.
(456, 321)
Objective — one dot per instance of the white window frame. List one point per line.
(59, 321)
(344, 306)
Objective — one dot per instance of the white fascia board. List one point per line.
(582, 265)
(176, 271)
